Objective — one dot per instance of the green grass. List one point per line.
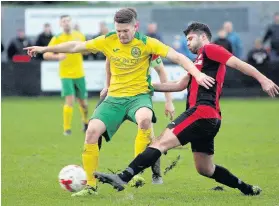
(34, 150)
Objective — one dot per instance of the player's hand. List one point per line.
(169, 110)
(104, 92)
(270, 87)
(205, 81)
(32, 51)
(61, 56)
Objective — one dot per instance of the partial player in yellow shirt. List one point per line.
(129, 94)
(71, 72)
(143, 139)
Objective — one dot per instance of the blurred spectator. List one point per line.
(223, 41)
(44, 38)
(258, 56)
(176, 43)
(76, 27)
(17, 44)
(233, 37)
(272, 33)
(103, 31)
(152, 31)
(180, 45)
(2, 47)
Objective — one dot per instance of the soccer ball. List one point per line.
(72, 178)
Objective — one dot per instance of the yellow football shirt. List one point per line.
(129, 63)
(72, 65)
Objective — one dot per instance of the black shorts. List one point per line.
(197, 125)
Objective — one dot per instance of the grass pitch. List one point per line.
(34, 150)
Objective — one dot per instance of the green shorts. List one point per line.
(76, 87)
(113, 111)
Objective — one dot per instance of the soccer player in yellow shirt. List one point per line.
(71, 74)
(129, 96)
(143, 139)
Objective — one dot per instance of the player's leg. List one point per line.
(167, 140)
(90, 156)
(105, 120)
(144, 160)
(156, 168)
(102, 98)
(205, 166)
(143, 118)
(82, 95)
(141, 112)
(83, 108)
(68, 92)
(203, 157)
(144, 135)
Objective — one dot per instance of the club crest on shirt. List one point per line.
(200, 56)
(199, 60)
(136, 52)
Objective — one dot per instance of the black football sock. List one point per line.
(144, 160)
(223, 176)
(100, 140)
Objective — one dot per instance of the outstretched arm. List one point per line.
(67, 47)
(172, 86)
(221, 55)
(268, 86)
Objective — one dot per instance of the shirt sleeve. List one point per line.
(217, 53)
(157, 47)
(96, 45)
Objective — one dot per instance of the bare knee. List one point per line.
(93, 133)
(69, 100)
(205, 170)
(92, 136)
(143, 118)
(144, 123)
(167, 140)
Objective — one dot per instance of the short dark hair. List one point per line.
(124, 16)
(64, 16)
(134, 12)
(198, 27)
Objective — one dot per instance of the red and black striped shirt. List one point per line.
(211, 60)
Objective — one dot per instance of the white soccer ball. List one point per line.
(72, 178)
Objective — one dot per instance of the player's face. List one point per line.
(66, 24)
(194, 42)
(125, 32)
